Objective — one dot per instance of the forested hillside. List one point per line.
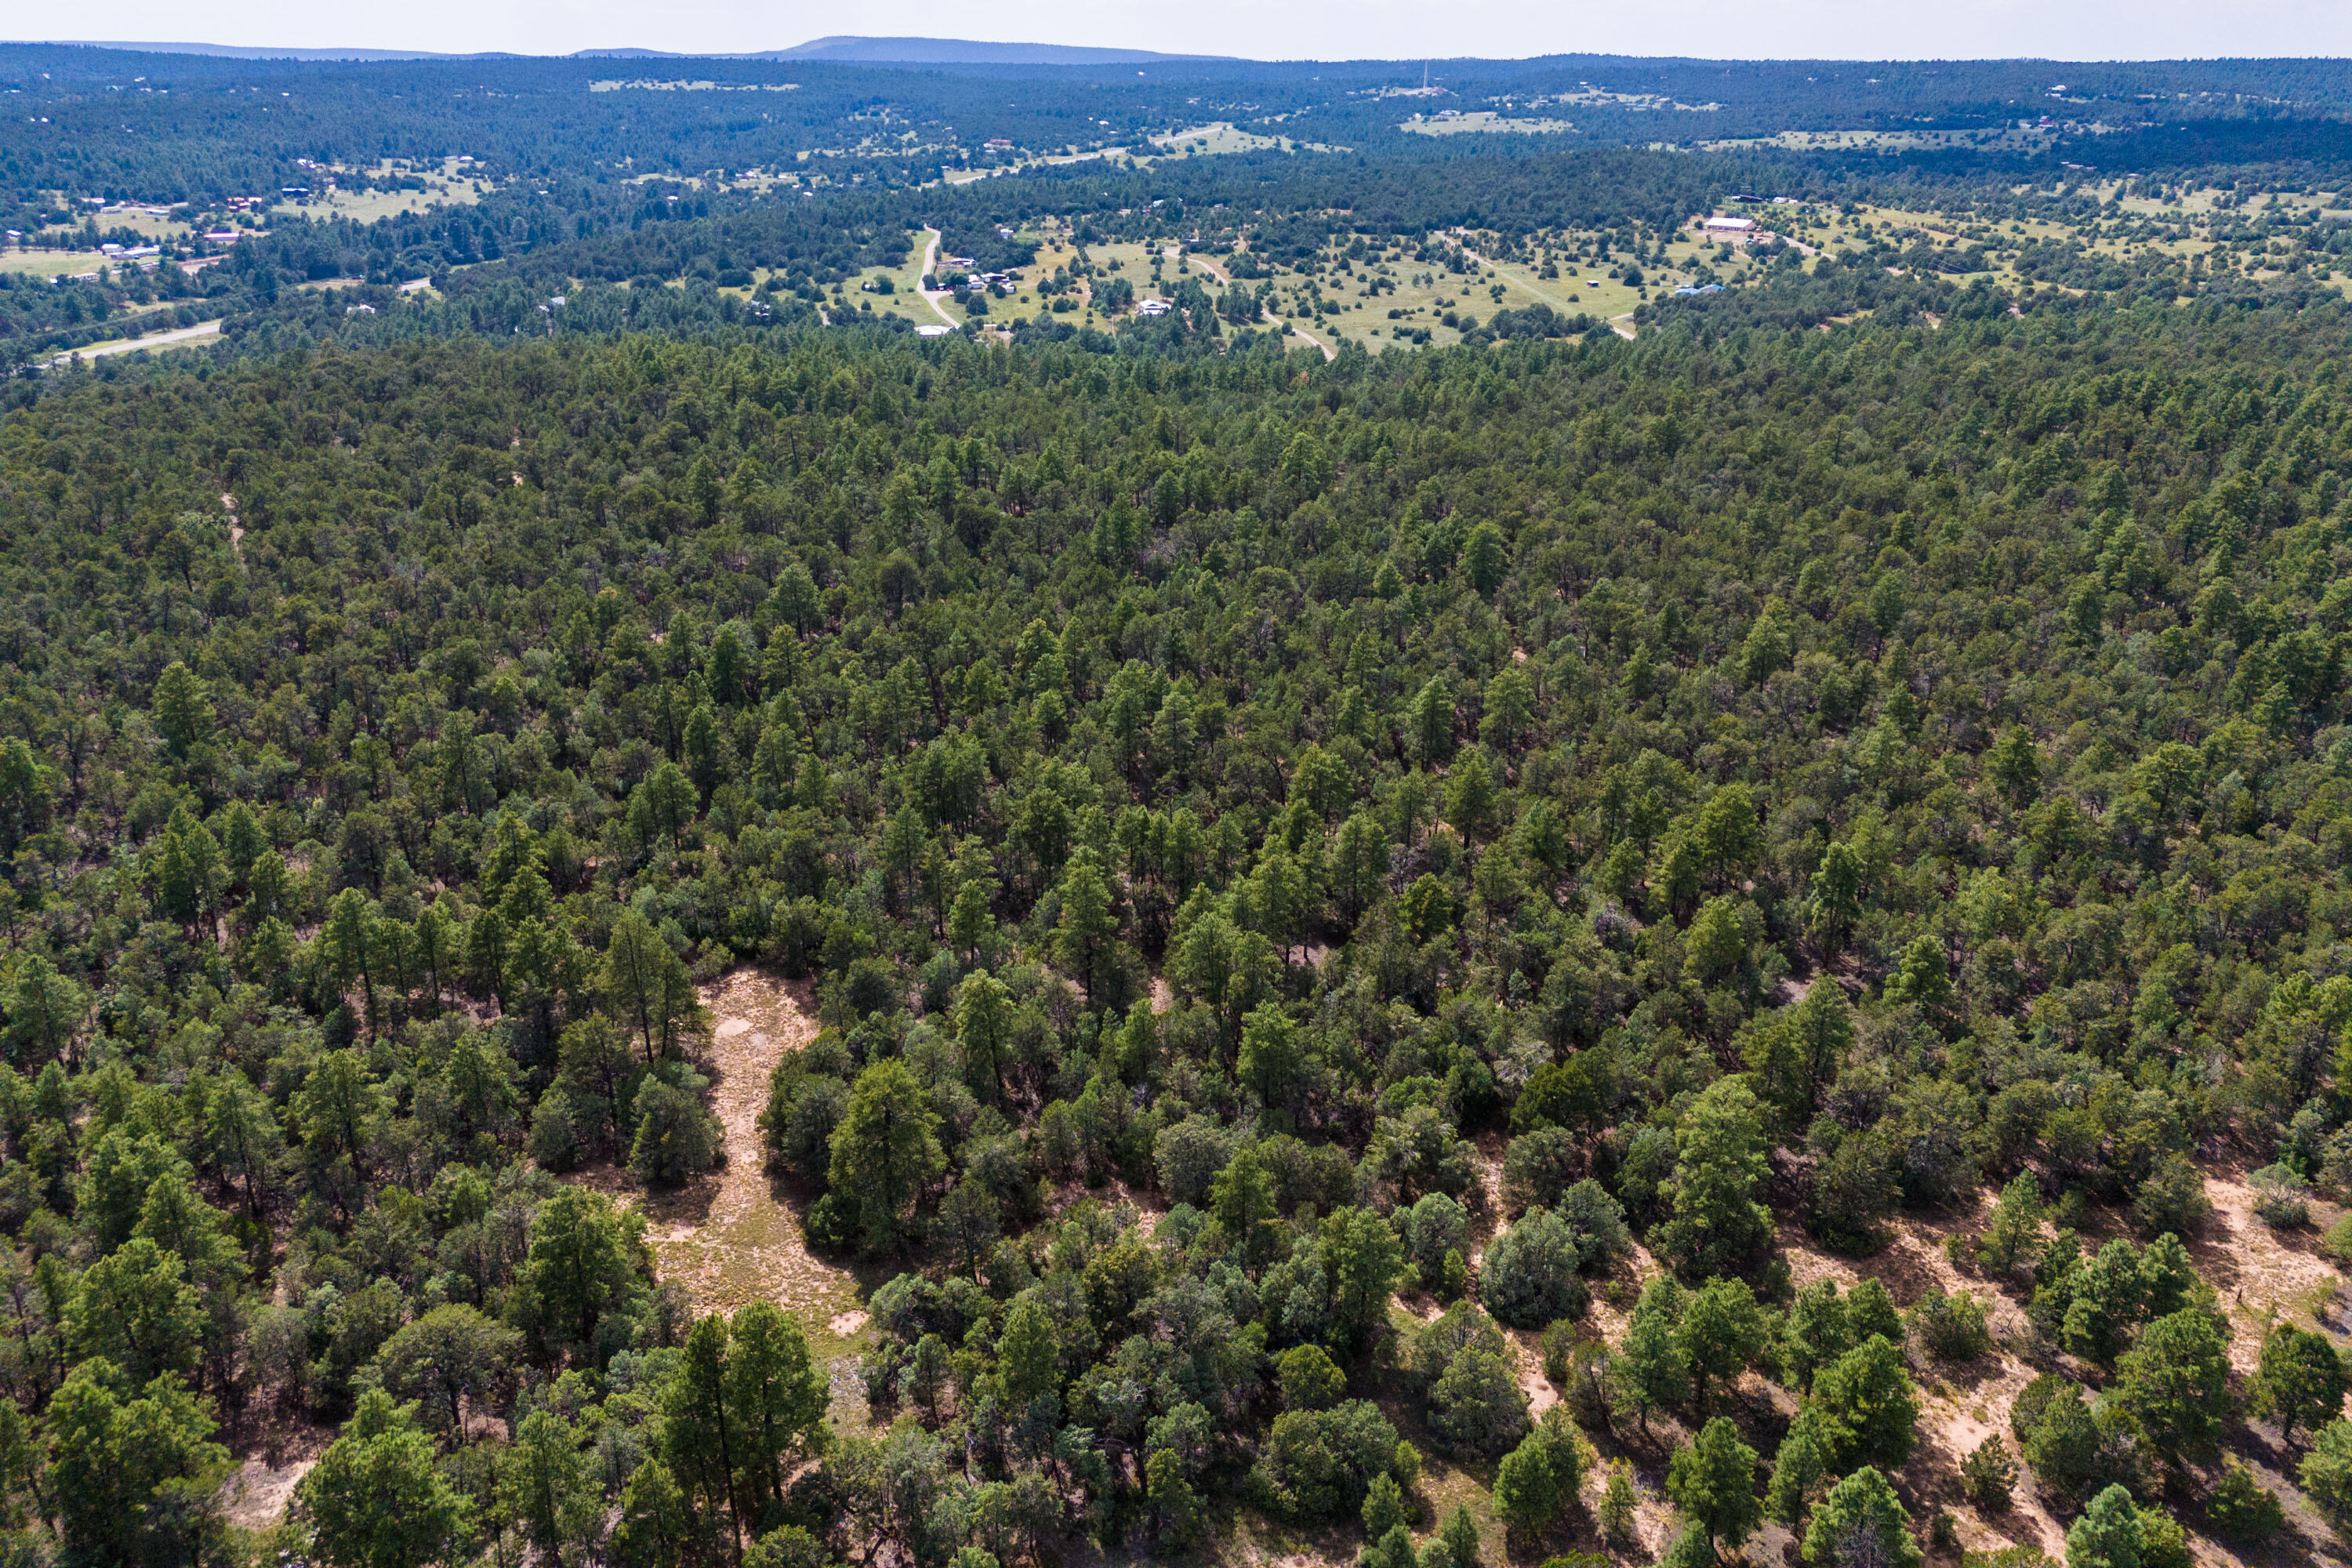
(1322, 885)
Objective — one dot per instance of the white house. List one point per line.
(1721, 225)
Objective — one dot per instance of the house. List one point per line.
(999, 145)
(294, 192)
(361, 308)
(221, 235)
(1152, 307)
(1721, 225)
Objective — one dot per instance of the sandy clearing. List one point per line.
(257, 1493)
(729, 1238)
(2260, 1274)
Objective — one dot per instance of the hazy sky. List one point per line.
(1323, 29)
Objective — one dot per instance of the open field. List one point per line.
(52, 263)
(2183, 230)
(1999, 139)
(1484, 119)
(1222, 136)
(1218, 136)
(1356, 303)
(447, 185)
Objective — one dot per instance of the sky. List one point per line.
(1298, 29)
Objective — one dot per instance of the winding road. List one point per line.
(932, 297)
(1213, 270)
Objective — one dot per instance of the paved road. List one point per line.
(154, 340)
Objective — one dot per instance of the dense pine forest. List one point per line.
(1720, 938)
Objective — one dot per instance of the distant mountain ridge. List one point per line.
(851, 48)
(842, 48)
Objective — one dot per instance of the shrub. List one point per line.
(1475, 1406)
(1430, 1229)
(1952, 1328)
(830, 1228)
(1987, 1475)
(1538, 1168)
(2172, 1198)
(2327, 1476)
(677, 1140)
(1310, 1380)
(1320, 1464)
(1598, 1223)
(554, 1132)
(2025, 1413)
(2282, 1197)
(1559, 1341)
(1384, 1506)
(2242, 1507)
(1529, 1276)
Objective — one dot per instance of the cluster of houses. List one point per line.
(100, 207)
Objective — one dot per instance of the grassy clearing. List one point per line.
(52, 263)
(1355, 303)
(1216, 137)
(445, 186)
(2180, 229)
(1326, 303)
(2026, 139)
(1483, 121)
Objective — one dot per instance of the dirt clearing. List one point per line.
(729, 1237)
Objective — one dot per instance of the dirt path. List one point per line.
(729, 1238)
(235, 528)
(932, 297)
(1213, 270)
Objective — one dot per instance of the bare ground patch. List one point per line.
(274, 1455)
(730, 1237)
(2261, 1275)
